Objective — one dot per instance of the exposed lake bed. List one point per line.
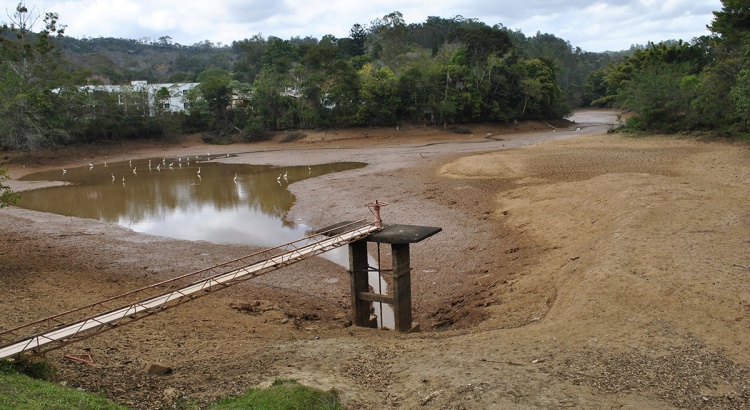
(594, 258)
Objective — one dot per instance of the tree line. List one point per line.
(682, 87)
(441, 72)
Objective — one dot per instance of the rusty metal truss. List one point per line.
(62, 329)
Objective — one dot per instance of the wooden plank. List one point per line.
(375, 297)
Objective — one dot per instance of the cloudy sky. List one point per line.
(593, 25)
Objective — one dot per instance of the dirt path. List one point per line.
(575, 269)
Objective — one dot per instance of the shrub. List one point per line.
(30, 366)
(461, 130)
(283, 394)
(293, 136)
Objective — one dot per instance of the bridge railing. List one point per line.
(68, 327)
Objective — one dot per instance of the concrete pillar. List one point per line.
(359, 283)
(401, 287)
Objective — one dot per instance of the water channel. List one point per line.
(188, 198)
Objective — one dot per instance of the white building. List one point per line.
(176, 102)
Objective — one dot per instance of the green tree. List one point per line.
(249, 53)
(216, 91)
(95, 115)
(279, 55)
(660, 95)
(420, 89)
(379, 96)
(354, 45)
(741, 95)
(732, 23)
(714, 104)
(389, 39)
(461, 102)
(342, 96)
(28, 62)
(541, 95)
(269, 104)
(161, 99)
(7, 196)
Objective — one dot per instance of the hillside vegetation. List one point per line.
(440, 72)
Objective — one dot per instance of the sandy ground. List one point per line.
(575, 269)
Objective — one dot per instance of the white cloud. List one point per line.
(594, 25)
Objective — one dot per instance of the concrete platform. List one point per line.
(391, 233)
(399, 237)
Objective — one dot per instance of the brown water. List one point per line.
(179, 202)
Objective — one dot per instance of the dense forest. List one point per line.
(440, 72)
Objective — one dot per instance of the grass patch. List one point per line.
(18, 391)
(282, 395)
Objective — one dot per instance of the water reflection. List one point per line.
(222, 203)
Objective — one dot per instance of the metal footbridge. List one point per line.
(57, 331)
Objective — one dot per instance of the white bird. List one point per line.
(171, 164)
(285, 175)
(134, 169)
(105, 164)
(199, 171)
(113, 177)
(123, 180)
(65, 171)
(179, 159)
(130, 162)
(278, 178)
(91, 165)
(149, 163)
(158, 167)
(235, 177)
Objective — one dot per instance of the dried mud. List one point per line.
(575, 269)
